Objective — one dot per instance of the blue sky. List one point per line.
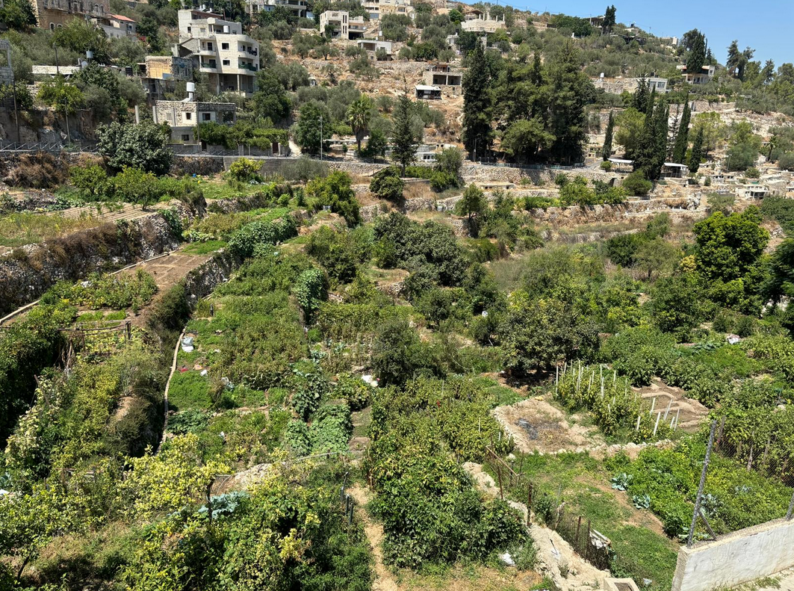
(765, 25)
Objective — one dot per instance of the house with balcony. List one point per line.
(299, 7)
(379, 8)
(339, 25)
(220, 50)
(53, 14)
(442, 75)
(697, 78)
(117, 25)
(372, 46)
(481, 22)
(184, 117)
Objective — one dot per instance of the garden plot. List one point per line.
(537, 426)
(672, 402)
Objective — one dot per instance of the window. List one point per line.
(189, 28)
(209, 46)
(52, 26)
(225, 46)
(227, 63)
(206, 116)
(188, 116)
(185, 137)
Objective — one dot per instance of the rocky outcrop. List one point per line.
(28, 272)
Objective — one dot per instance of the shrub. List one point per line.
(636, 184)
(335, 192)
(387, 184)
(311, 291)
(606, 166)
(244, 241)
(92, 181)
(244, 170)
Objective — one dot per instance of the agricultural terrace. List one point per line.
(389, 360)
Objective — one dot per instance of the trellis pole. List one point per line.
(702, 484)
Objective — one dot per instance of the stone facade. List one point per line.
(184, 117)
(52, 14)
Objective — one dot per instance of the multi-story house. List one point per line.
(220, 50)
(299, 7)
(378, 8)
(52, 14)
(184, 117)
(117, 25)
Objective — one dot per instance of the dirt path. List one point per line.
(384, 580)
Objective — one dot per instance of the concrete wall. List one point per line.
(736, 558)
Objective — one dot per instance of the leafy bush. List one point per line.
(246, 239)
(636, 184)
(334, 192)
(244, 170)
(311, 291)
(108, 291)
(387, 184)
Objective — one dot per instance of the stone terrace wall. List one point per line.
(31, 270)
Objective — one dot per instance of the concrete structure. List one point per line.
(118, 25)
(378, 8)
(184, 117)
(219, 49)
(620, 585)
(160, 74)
(736, 558)
(428, 92)
(6, 73)
(621, 85)
(299, 7)
(371, 45)
(65, 71)
(698, 78)
(442, 75)
(343, 26)
(674, 170)
(483, 23)
(752, 191)
(52, 14)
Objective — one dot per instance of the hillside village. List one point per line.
(391, 295)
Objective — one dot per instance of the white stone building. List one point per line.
(219, 49)
(184, 117)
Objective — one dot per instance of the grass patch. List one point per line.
(582, 482)
(204, 247)
(18, 229)
(189, 390)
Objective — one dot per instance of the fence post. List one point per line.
(702, 484)
(499, 474)
(790, 508)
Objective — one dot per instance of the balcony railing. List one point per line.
(246, 66)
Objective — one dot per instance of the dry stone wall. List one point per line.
(29, 271)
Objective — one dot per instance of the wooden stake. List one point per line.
(658, 416)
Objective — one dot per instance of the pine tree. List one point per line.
(697, 152)
(682, 138)
(568, 88)
(477, 133)
(607, 151)
(404, 144)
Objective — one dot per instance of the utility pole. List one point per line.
(57, 68)
(321, 137)
(14, 89)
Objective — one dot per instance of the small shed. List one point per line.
(674, 170)
(428, 92)
(622, 165)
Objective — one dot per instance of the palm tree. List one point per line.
(359, 115)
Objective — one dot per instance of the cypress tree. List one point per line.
(697, 57)
(661, 116)
(640, 99)
(404, 144)
(697, 152)
(682, 138)
(646, 148)
(607, 151)
(477, 103)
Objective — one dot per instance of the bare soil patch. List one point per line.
(674, 402)
(537, 425)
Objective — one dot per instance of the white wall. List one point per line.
(736, 558)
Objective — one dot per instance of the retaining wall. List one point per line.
(737, 558)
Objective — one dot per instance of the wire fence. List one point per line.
(52, 147)
(753, 453)
(574, 528)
